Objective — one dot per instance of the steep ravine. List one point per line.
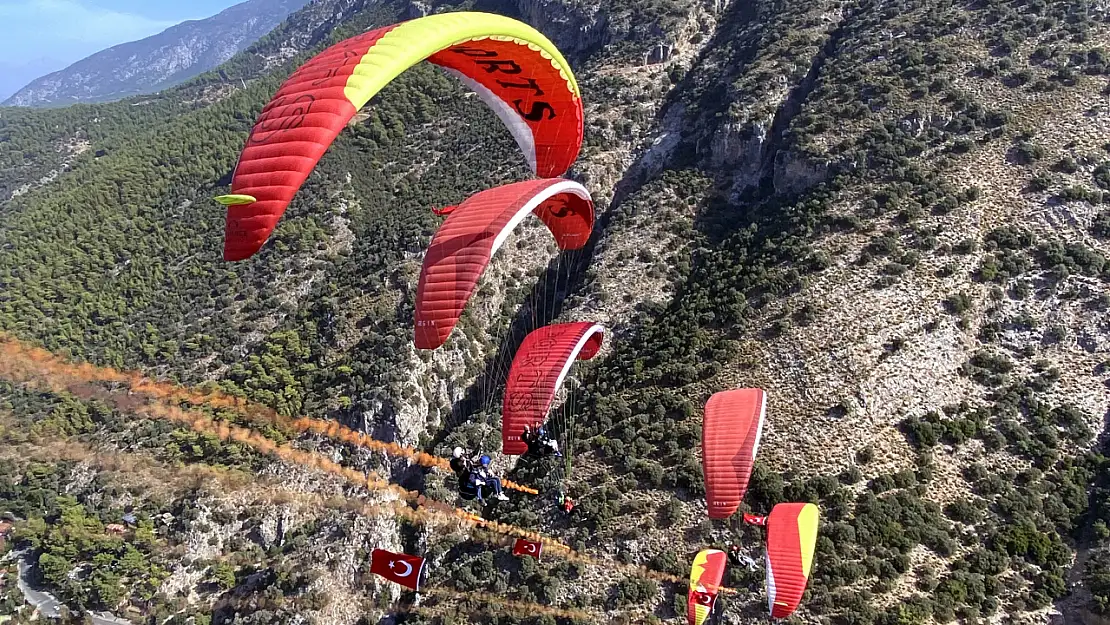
(565, 286)
(774, 175)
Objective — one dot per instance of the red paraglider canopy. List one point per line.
(537, 372)
(472, 233)
(730, 439)
(791, 541)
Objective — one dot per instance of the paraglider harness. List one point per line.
(734, 555)
(481, 477)
(472, 478)
(468, 490)
(739, 559)
(539, 443)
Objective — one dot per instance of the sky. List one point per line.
(41, 36)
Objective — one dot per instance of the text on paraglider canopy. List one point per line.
(539, 110)
(282, 117)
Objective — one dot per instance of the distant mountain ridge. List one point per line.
(159, 61)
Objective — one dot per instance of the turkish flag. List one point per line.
(527, 548)
(397, 567)
(752, 519)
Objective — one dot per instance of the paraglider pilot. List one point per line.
(539, 443)
(482, 477)
(464, 471)
(739, 559)
(565, 501)
(734, 555)
(460, 464)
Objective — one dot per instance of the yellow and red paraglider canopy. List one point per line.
(705, 582)
(512, 67)
(791, 539)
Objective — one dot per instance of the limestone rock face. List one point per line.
(797, 174)
(573, 27)
(740, 149)
(661, 53)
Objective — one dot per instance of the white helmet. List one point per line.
(458, 452)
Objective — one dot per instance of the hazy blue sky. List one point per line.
(41, 36)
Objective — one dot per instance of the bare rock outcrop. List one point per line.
(795, 173)
(573, 26)
(660, 53)
(739, 148)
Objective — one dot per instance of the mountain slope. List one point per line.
(159, 61)
(15, 76)
(891, 214)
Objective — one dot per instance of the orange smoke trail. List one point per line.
(217, 399)
(428, 510)
(15, 365)
(337, 431)
(154, 473)
(22, 364)
(522, 608)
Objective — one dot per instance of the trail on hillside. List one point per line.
(31, 368)
(167, 392)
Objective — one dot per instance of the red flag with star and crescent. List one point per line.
(752, 519)
(397, 567)
(527, 548)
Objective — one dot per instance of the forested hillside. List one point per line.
(892, 215)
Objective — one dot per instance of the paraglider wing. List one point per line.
(791, 539)
(729, 441)
(705, 581)
(514, 69)
(537, 372)
(466, 241)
